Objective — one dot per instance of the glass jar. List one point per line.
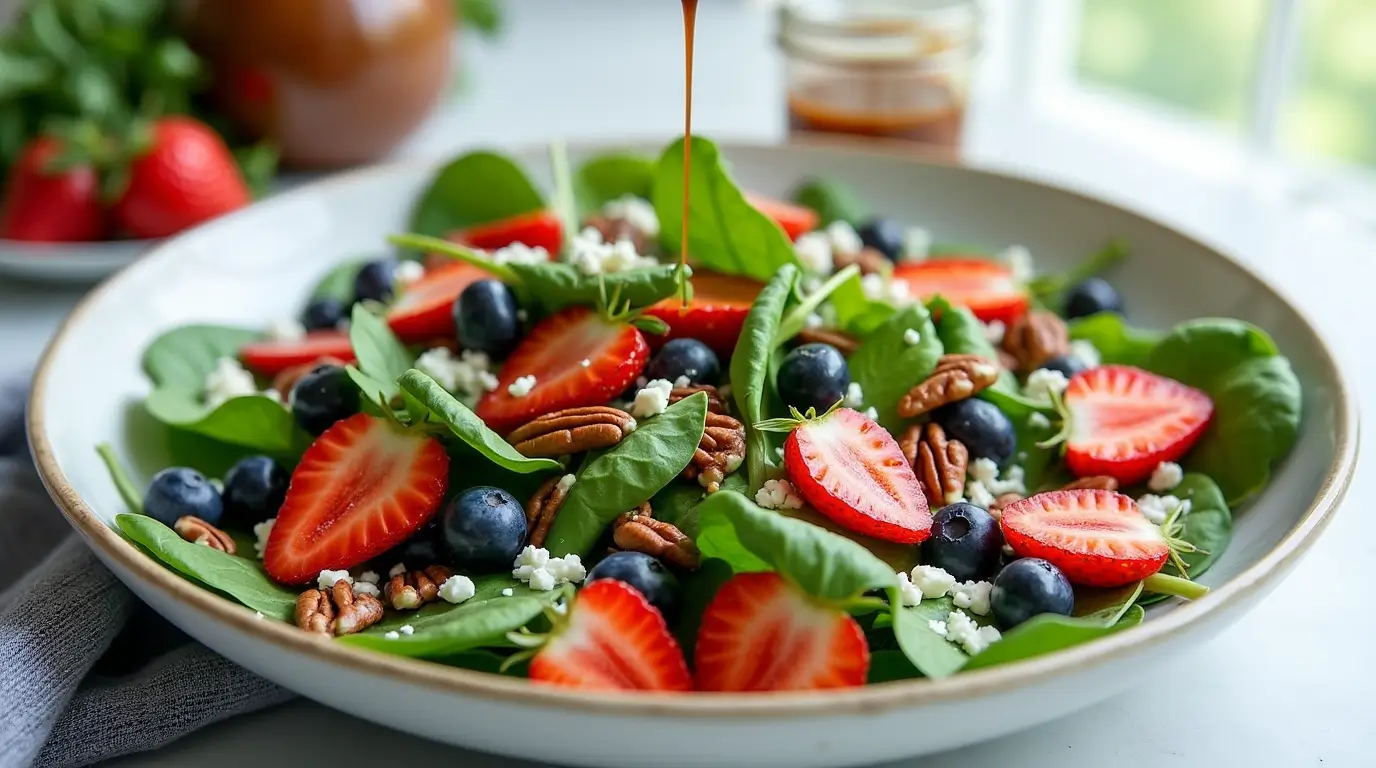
(885, 68)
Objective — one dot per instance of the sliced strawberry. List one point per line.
(425, 309)
(850, 469)
(761, 633)
(613, 640)
(364, 486)
(540, 229)
(715, 314)
(986, 287)
(794, 219)
(270, 358)
(1124, 421)
(1097, 538)
(553, 352)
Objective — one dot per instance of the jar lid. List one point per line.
(878, 32)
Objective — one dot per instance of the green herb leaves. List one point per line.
(381, 357)
(443, 407)
(886, 365)
(477, 188)
(1116, 341)
(1048, 633)
(750, 375)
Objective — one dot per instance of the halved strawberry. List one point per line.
(1097, 538)
(539, 229)
(553, 352)
(425, 309)
(850, 469)
(1124, 421)
(761, 633)
(364, 486)
(270, 358)
(794, 219)
(613, 639)
(715, 314)
(986, 287)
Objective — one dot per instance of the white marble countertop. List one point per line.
(1292, 683)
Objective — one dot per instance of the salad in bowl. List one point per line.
(823, 450)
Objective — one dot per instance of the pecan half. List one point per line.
(956, 377)
(198, 531)
(638, 531)
(543, 507)
(714, 401)
(1035, 338)
(940, 462)
(845, 343)
(719, 453)
(572, 430)
(1093, 482)
(870, 260)
(337, 611)
(409, 591)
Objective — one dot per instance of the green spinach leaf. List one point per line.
(443, 407)
(441, 629)
(612, 176)
(1208, 526)
(832, 200)
(886, 366)
(1105, 606)
(727, 233)
(380, 354)
(181, 358)
(750, 379)
(887, 666)
(1048, 633)
(241, 579)
(128, 491)
(476, 188)
(556, 285)
(338, 283)
(630, 473)
(1117, 342)
(933, 655)
(856, 312)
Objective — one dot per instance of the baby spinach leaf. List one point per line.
(338, 283)
(478, 660)
(1048, 633)
(1038, 464)
(376, 394)
(1256, 396)
(833, 200)
(886, 666)
(476, 623)
(856, 312)
(750, 379)
(476, 188)
(181, 358)
(128, 490)
(621, 478)
(699, 587)
(824, 565)
(380, 354)
(612, 176)
(899, 557)
(555, 285)
(1106, 606)
(441, 406)
(241, 579)
(963, 334)
(1208, 526)
(933, 655)
(727, 233)
(675, 504)
(886, 366)
(1117, 342)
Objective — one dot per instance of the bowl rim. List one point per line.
(866, 699)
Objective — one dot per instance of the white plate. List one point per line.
(256, 265)
(69, 262)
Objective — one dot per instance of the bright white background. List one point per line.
(1291, 684)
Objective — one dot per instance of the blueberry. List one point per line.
(813, 376)
(375, 280)
(1028, 587)
(254, 490)
(981, 426)
(484, 530)
(424, 548)
(179, 491)
(323, 314)
(322, 397)
(1066, 364)
(485, 317)
(685, 357)
(1092, 296)
(965, 541)
(883, 235)
(647, 575)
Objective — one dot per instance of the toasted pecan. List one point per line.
(412, 589)
(544, 506)
(638, 531)
(845, 343)
(940, 462)
(719, 453)
(572, 430)
(337, 611)
(956, 377)
(1035, 338)
(198, 531)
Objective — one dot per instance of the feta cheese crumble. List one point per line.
(844, 239)
(652, 400)
(391, 636)
(778, 494)
(261, 532)
(591, 256)
(908, 594)
(328, 578)
(567, 569)
(520, 253)
(228, 380)
(406, 629)
(911, 337)
(542, 573)
(286, 330)
(585, 362)
(1087, 352)
(364, 588)
(468, 374)
(855, 395)
(521, 386)
(973, 595)
(407, 272)
(917, 244)
(1158, 508)
(1043, 382)
(872, 413)
(814, 253)
(634, 211)
(877, 288)
(978, 494)
(986, 472)
(1165, 477)
(397, 570)
(1019, 261)
(508, 592)
(457, 589)
(932, 581)
(370, 577)
(963, 631)
(258, 615)
(994, 331)
(1038, 420)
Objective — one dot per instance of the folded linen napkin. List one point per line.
(87, 672)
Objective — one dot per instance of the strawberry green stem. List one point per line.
(1175, 586)
(796, 319)
(427, 244)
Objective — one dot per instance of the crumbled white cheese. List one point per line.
(1038, 420)
(591, 256)
(457, 588)
(963, 631)
(566, 482)
(872, 413)
(911, 337)
(397, 570)
(258, 615)
(1019, 261)
(370, 577)
(406, 629)
(531, 557)
(508, 592)
(855, 395)
(391, 636)
(778, 494)
(568, 568)
(844, 239)
(814, 253)
(813, 320)
(908, 594)
(682, 381)
(932, 581)
(634, 211)
(652, 400)
(1158, 508)
(585, 362)
(917, 244)
(228, 380)
(986, 473)
(407, 271)
(520, 253)
(1165, 477)
(468, 374)
(365, 588)
(973, 595)
(1042, 382)
(541, 580)
(286, 329)
(521, 386)
(978, 494)
(994, 331)
(261, 532)
(328, 578)
(1086, 352)
(535, 567)
(938, 626)
(878, 288)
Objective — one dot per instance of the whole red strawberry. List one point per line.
(46, 204)
(186, 176)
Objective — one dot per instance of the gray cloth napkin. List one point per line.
(87, 672)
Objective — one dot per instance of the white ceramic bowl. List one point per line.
(255, 265)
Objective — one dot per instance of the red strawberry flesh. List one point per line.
(715, 314)
(986, 287)
(425, 309)
(270, 358)
(793, 219)
(1097, 538)
(539, 229)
